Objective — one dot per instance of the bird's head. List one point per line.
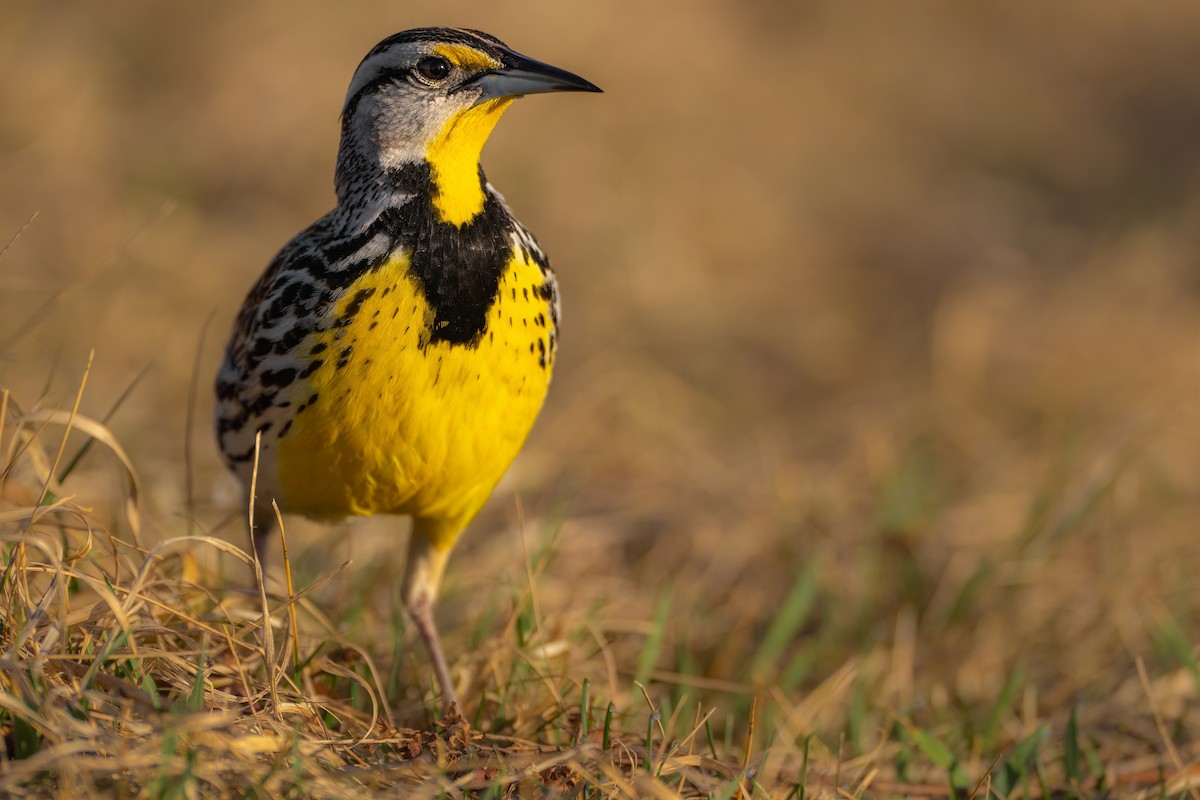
(432, 96)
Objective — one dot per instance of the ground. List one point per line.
(871, 464)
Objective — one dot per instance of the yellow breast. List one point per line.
(396, 422)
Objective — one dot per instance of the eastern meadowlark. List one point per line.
(394, 354)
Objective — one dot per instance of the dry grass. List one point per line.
(875, 420)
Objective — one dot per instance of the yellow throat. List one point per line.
(453, 157)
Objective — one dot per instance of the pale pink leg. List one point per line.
(422, 578)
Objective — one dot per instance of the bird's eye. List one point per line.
(433, 68)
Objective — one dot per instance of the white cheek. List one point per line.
(396, 154)
(401, 137)
(409, 136)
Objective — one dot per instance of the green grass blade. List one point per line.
(903, 758)
(933, 749)
(941, 756)
(26, 738)
(584, 711)
(787, 621)
(804, 768)
(712, 742)
(1017, 765)
(195, 701)
(1071, 750)
(728, 790)
(1173, 642)
(1091, 755)
(1004, 702)
(654, 641)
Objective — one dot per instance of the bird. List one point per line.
(394, 355)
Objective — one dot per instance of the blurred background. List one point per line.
(891, 308)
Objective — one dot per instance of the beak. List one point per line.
(522, 75)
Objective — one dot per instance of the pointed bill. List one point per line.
(522, 75)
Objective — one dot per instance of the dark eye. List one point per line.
(433, 68)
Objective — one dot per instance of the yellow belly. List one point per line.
(403, 425)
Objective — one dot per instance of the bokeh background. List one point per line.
(895, 305)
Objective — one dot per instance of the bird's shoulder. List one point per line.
(319, 263)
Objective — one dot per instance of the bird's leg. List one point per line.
(421, 610)
(427, 556)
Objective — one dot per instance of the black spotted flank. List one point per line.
(356, 302)
(242, 457)
(278, 377)
(291, 339)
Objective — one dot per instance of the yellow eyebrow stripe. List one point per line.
(467, 58)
